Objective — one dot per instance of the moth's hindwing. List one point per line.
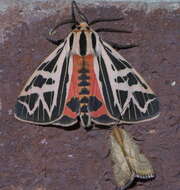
(43, 98)
(128, 161)
(127, 96)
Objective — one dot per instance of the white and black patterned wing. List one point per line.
(127, 96)
(42, 100)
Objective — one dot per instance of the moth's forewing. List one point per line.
(128, 162)
(138, 161)
(123, 173)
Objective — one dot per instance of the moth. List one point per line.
(128, 162)
(85, 79)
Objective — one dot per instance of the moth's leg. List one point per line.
(120, 46)
(107, 154)
(55, 42)
(107, 176)
(112, 30)
(138, 139)
(68, 21)
(53, 30)
(105, 20)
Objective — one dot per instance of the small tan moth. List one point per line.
(128, 162)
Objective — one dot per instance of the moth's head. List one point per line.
(83, 26)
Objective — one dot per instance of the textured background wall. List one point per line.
(47, 158)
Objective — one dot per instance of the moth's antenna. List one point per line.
(80, 14)
(73, 13)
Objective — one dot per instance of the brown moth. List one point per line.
(128, 162)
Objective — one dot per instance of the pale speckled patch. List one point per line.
(3, 6)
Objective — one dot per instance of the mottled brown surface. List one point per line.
(38, 158)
